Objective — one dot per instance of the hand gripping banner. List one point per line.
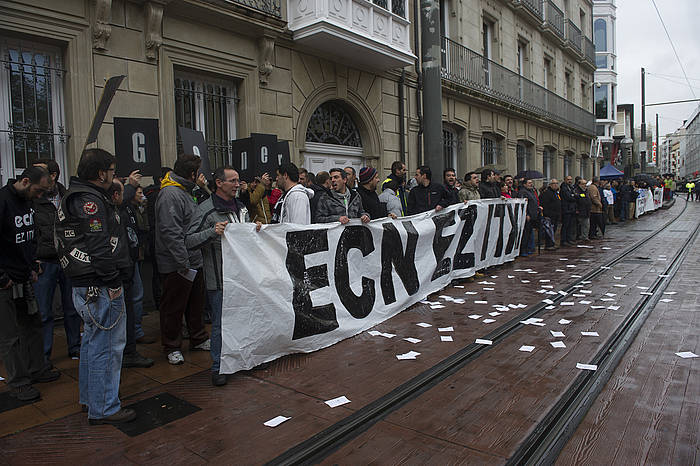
(299, 288)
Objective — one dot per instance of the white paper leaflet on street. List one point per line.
(300, 288)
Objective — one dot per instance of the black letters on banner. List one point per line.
(308, 319)
(468, 216)
(403, 263)
(513, 236)
(137, 146)
(359, 237)
(500, 213)
(441, 243)
(487, 232)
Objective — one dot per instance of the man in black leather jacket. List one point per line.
(568, 212)
(88, 237)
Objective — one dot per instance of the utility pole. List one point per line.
(657, 141)
(432, 86)
(643, 143)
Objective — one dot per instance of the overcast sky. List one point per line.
(642, 42)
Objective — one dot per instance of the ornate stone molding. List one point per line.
(154, 28)
(267, 49)
(101, 30)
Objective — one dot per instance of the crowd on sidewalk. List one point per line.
(91, 242)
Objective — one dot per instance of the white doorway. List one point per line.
(322, 157)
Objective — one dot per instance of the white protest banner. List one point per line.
(300, 288)
(648, 201)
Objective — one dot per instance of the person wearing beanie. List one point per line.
(369, 179)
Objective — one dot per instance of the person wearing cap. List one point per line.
(369, 179)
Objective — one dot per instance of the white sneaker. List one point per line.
(175, 358)
(204, 346)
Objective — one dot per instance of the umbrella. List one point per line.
(547, 227)
(530, 174)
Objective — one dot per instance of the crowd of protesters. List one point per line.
(92, 239)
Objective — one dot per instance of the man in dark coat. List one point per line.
(449, 177)
(568, 212)
(532, 214)
(427, 195)
(583, 210)
(550, 200)
(369, 179)
(489, 187)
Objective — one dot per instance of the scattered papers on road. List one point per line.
(687, 354)
(424, 325)
(481, 341)
(275, 421)
(511, 276)
(613, 308)
(584, 246)
(470, 292)
(620, 285)
(590, 334)
(643, 287)
(666, 300)
(571, 266)
(584, 301)
(563, 293)
(564, 322)
(475, 316)
(545, 281)
(557, 344)
(549, 307)
(445, 338)
(556, 334)
(488, 289)
(488, 321)
(617, 278)
(526, 348)
(588, 367)
(341, 400)
(648, 293)
(597, 307)
(670, 292)
(548, 301)
(567, 303)
(409, 355)
(607, 299)
(605, 267)
(494, 314)
(533, 321)
(610, 294)
(525, 281)
(663, 275)
(481, 302)
(375, 333)
(459, 286)
(446, 329)
(437, 306)
(412, 340)
(605, 248)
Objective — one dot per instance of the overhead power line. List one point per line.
(673, 47)
(670, 76)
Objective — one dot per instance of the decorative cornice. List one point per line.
(154, 28)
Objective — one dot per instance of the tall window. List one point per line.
(207, 104)
(490, 149)
(600, 35)
(568, 86)
(547, 156)
(523, 154)
(601, 102)
(487, 37)
(582, 168)
(450, 143)
(31, 106)
(567, 163)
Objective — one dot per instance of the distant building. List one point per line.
(605, 87)
(690, 146)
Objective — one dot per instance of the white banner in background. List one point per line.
(646, 201)
(297, 288)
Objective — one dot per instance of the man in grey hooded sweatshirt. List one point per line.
(181, 271)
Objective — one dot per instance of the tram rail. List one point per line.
(551, 434)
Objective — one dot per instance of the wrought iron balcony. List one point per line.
(573, 36)
(466, 68)
(374, 34)
(270, 7)
(589, 52)
(533, 7)
(553, 20)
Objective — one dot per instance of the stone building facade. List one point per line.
(335, 78)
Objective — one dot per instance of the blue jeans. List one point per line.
(44, 289)
(101, 351)
(137, 297)
(215, 300)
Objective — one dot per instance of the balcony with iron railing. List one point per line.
(573, 36)
(553, 20)
(374, 34)
(465, 68)
(533, 8)
(270, 7)
(589, 53)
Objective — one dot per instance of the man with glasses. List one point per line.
(205, 233)
(21, 342)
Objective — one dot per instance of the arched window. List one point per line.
(332, 124)
(490, 149)
(600, 35)
(547, 161)
(568, 158)
(450, 146)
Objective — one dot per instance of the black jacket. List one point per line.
(425, 198)
(313, 202)
(568, 199)
(533, 208)
(550, 201)
(452, 195)
(371, 203)
(44, 221)
(628, 193)
(583, 203)
(17, 240)
(88, 235)
(489, 190)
